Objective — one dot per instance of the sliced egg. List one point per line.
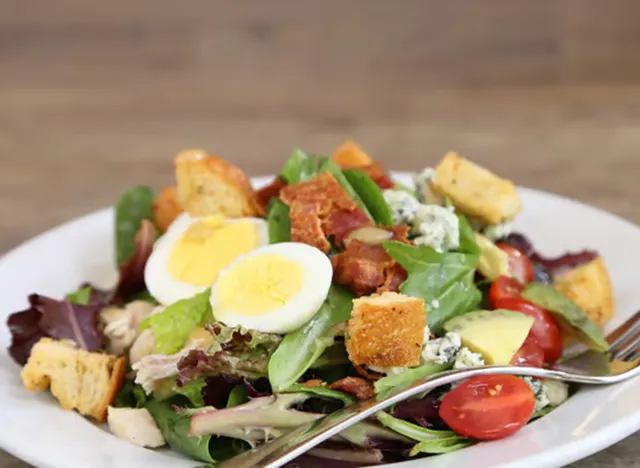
(189, 256)
(274, 289)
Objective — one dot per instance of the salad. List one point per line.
(239, 314)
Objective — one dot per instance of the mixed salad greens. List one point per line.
(330, 285)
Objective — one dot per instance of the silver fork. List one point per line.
(620, 363)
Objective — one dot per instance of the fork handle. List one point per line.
(303, 438)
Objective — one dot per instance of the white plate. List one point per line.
(37, 430)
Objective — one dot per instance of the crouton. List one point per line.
(350, 156)
(386, 330)
(475, 191)
(166, 208)
(208, 185)
(80, 380)
(589, 287)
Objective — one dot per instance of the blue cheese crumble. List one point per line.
(498, 231)
(422, 183)
(466, 359)
(442, 350)
(403, 206)
(437, 227)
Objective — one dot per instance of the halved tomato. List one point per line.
(519, 264)
(545, 329)
(504, 287)
(530, 354)
(488, 407)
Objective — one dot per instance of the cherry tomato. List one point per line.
(502, 288)
(488, 407)
(519, 264)
(545, 329)
(530, 354)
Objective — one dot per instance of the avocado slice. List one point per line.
(493, 260)
(569, 315)
(496, 334)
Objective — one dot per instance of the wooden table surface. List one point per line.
(94, 99)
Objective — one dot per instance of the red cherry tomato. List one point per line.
(545, 329)
(530, 354)
(519, 264)
(488, 407)
(502, 288)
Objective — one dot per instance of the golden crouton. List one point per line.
(386, 330)
(166, 208)
(80, 380)
(589, 287)
(208, 185)
(475, 191)
(350, 156)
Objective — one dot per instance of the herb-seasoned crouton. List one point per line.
(166, 208)
(208, 185)
(386, 330)
(589, 287)
(80, 380)
(475, 191)
(349, 155)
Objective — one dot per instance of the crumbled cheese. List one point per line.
(465, 359)
(442, 350)
(403, 206)
(435, 303)
(557, 391)
(498, 231)
(423, 189)
(438, 227)
(539, 391)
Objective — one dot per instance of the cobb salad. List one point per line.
(240, 314)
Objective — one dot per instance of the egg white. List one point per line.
(164, 287)
(298, 310)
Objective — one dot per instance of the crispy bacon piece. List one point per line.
(265, 194)
(360, 388)
(319, 208)
(378, 174)
(365, 268)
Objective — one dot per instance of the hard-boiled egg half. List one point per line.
(188, 258)
(273, 289)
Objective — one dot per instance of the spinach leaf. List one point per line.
(468, 242)
(396, 382)
(238, 396)
(570, 315)
(192, 391)
(371, 196)
(172, 326)
(175, 430)
(278, 222)
(81, 296)
(301, 348)
(321, 392)
(133, 206)
(334, 355)
(446, 278)
(302, 166)
(131, 395)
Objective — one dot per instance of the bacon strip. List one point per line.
(360, 388)
(265, 194)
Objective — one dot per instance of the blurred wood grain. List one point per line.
(97, 96)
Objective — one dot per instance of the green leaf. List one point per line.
(238, 396)
(444, 277)
(322, 392)
(81, 296)
(278, 222)
(371, 196)
(394, 383)
(412, 431)
(171, 327)
(301, 348)
(404, 188)
(569, 314)
(192, 391)
(175, 430)
(440, 445)
(334, 355)
(131, 395)
(302, 166)
(133, 206)
(468, 242)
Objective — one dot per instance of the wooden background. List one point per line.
(97, 96)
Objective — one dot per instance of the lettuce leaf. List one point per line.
(171, 327)
(134, 206)
(371, 196)
(278, 222)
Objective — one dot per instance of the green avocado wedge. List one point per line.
(569, 314)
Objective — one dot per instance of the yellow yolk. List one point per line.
(208, 246)
(259, 284)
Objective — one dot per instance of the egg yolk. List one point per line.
(208, 246)
(259, 284)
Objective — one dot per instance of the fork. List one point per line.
(618, 364)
